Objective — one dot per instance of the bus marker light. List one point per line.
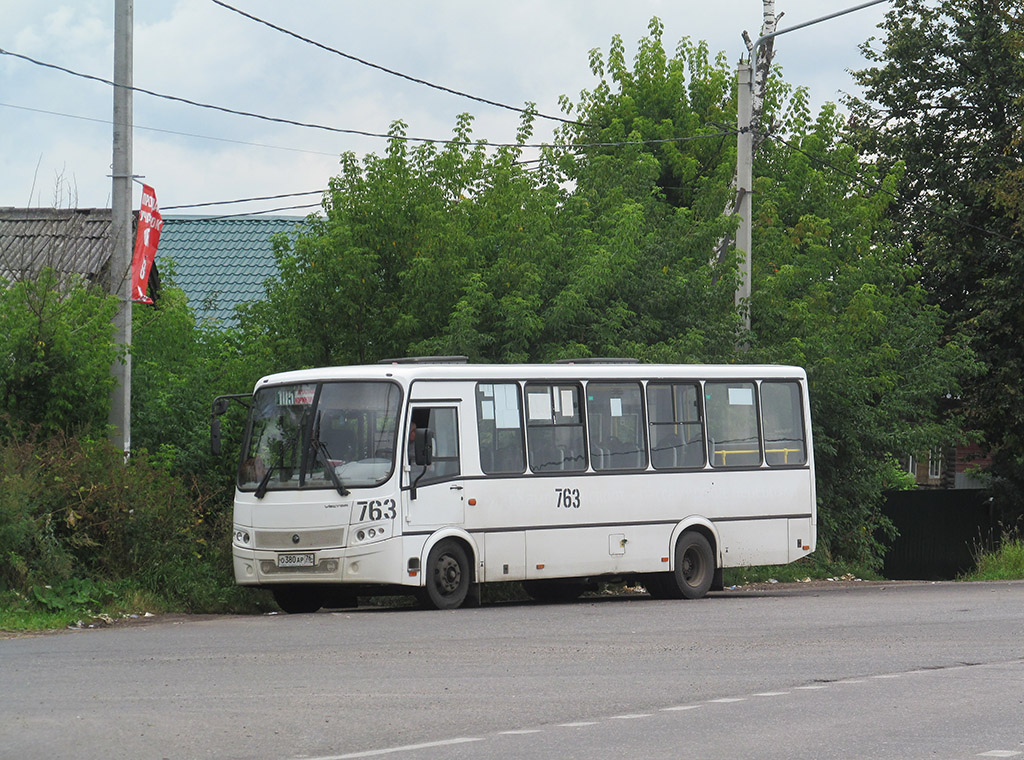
(540, 567)
(472, 502)
(664, 559)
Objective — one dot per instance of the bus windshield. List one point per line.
(296, 432)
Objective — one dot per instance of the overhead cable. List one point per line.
(386, 70)
(172, 131)
(245, 200)
(363, 133)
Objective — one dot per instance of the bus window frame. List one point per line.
(802, 427)
(578, 385)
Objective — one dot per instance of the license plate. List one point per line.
(295, 560)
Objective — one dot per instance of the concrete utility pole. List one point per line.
(745, 144)
(119, 283)
(744, 181)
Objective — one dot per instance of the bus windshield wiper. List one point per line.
(324, 455)
(261, 489)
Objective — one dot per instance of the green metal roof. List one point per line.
(220, 263)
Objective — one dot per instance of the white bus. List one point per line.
(434, 476)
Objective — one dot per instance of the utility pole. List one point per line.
(745, 148)
(119, 282)
(744, 181)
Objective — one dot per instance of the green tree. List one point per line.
(835, 295)
(944, 96)
(652, 162)
(178, 368)
(55, 353)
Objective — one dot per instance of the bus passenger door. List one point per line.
(438, 487)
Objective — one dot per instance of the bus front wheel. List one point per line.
(695, 565)
(448, 576)
(296, 600)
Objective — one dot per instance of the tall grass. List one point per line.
(1001, 564)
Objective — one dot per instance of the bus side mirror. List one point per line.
(423, 446)
(220, 405)
(215, 436)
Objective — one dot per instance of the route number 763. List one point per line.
(567, 498)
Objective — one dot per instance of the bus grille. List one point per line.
(308, 539)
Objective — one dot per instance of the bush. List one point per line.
(56, 349)
(72, 511)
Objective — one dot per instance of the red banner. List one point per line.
(146, 240)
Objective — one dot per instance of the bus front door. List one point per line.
(435, 492)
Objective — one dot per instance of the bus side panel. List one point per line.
(754, 542)
(599, 550)
(505, 556)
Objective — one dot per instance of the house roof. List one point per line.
(67, 240)
(220, 263)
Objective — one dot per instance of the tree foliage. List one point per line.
(944, 96)
(55, 353)
(835, 295)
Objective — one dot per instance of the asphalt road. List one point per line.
(908, 670)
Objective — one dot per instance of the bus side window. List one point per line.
(783, 422)
(554, 433)
(732, 424)
(674, 414)
(500, 428)
(615, 417)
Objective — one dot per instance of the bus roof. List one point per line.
(406, 373)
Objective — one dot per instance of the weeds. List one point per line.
(1006, 562)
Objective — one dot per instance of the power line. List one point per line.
(246, 200)
(340, 130)
(171, 131)
(239, 214)
(399, 74)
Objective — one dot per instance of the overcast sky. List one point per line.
(511, 52)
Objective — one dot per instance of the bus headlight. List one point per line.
(242, 536)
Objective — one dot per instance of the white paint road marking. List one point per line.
(393, 750)
(635, 716)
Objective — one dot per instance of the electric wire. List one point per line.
(244, 200)
(244, 213)
(341, 130)
(171, 131)
(392, 72)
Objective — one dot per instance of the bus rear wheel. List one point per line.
(296, 600)
(448, 576)
(695, 565)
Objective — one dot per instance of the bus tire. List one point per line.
(448, 576)
(695, 565)
(297, 600)
(661, 586)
